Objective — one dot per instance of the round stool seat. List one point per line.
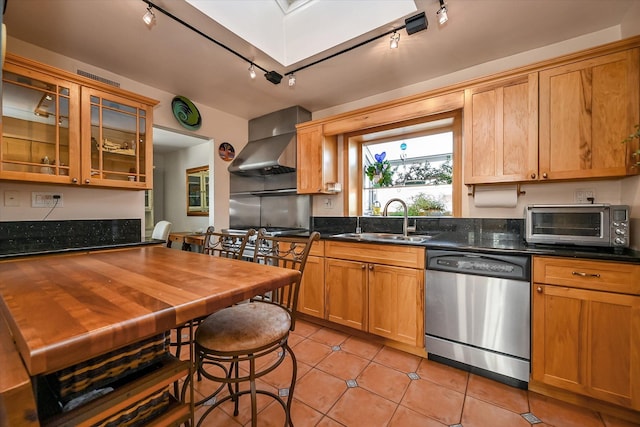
(243, 327)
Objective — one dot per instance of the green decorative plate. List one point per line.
(186, 113)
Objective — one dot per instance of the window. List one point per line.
(417, 168)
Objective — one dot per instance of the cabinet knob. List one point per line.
(363, 266)
(533, 175)
(539, 289)
(74, 180)
(371, 267)
(86, 181)
(544, 175)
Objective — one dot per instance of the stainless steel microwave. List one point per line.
(581, 224)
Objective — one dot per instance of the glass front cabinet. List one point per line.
(61, 128)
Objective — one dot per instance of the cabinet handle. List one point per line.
(371, 267)
(544, 175)
(86, 181)
(363, 266)
(539, 289)
(533, 175)
(583, 274)
(74, 180)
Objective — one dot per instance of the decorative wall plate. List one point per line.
(186, 113)
(226, 151)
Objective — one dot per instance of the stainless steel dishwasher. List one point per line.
(478, 313)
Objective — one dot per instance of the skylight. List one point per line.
(289, 6)
(292, 37)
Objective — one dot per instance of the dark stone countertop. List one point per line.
(8, 256)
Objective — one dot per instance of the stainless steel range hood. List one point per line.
(272, 144)
(272, 155)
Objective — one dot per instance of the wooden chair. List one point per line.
(255, 330)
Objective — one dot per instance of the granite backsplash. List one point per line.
(23, 237)
(424, 225)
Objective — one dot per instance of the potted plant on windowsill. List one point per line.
(379, 173)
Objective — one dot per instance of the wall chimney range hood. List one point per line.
(272, 155)
(272, 144)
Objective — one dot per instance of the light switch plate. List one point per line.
(11, 199)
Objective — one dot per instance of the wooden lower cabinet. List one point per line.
(311, 295)
(346, 287)
(395, 303)
(587, 340)
(377, 290)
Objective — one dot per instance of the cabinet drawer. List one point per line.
(317, 249)
(398, 255)
(588, 274)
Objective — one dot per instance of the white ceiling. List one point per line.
(110, 34)
(306, 31)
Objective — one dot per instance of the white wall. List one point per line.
(217, 126)
(175, 201)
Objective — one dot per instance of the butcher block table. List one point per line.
(62, 310)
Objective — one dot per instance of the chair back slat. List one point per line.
(284, 252)
(226, 245)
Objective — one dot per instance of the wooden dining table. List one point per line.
(62, 310)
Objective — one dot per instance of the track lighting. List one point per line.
(252, 72)
(442, 13)
(149, 18)
(273, 76)
(395, 39)
(292, 80)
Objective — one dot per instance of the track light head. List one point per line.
(252, 72)
(292, 80)
(149, 18)
(274, 77)
(416, 23)
(442, 13)
(395, 39)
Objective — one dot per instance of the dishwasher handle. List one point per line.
(516, 267)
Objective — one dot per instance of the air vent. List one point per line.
(98, 78)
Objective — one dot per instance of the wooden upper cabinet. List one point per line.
(317, 160)
(40, 126)
(61, 128)
(116, 135)
(501, 131)
(586, 109)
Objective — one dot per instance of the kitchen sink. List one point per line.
(385, 237)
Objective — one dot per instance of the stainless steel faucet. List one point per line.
(405, 224)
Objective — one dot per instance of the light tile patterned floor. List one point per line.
(346, 381)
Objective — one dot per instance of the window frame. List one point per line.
(353, 162)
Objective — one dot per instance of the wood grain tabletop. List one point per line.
(66, 309)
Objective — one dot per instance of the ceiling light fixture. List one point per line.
(292, 80)
(252, 72)
(442, 13)
(416, 23)
(149, 18)
(395, 39)
(412, 25)
(272, 76)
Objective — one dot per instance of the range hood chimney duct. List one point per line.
(272, 144)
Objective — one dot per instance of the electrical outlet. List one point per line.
(583, 195)
(328, 204)
(43, 199)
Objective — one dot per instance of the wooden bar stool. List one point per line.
(255, 330)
